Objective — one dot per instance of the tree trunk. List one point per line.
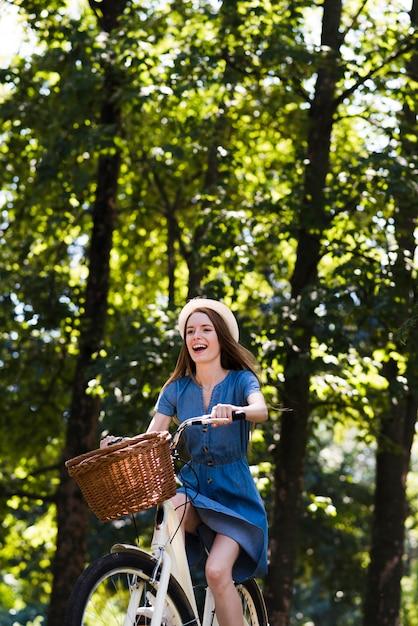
(72, 511)
(212, 178)
(383, 591)
(289, 455)
(397, 427)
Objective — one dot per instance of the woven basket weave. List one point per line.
(126, 477)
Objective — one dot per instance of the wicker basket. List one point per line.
(126, 477)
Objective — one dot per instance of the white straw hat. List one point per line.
(214, 305)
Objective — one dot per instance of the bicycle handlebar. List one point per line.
(191, 421)
(203, 419)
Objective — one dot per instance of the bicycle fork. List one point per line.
(161, 575)
(163, 566)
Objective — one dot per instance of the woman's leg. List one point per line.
(222, 556)
(187, 514)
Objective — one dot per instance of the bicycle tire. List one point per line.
(101, 594)
(253, 605)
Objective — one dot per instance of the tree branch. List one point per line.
(408, 45)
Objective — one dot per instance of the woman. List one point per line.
(218, 500)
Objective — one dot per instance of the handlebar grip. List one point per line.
(238, 415)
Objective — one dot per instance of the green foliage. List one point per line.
(333, 540)
(26, 555)
(215, 104)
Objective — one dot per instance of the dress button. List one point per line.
(209, 480)
(204, 429)
(205, 449)
(210, 463)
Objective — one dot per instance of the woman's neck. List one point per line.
(208, 377)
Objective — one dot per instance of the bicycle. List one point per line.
(133, 587)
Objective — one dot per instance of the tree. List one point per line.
(397, 419)
(72, 511)
(313, 219)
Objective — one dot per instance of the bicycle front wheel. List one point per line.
(253, 606)
(117, 590)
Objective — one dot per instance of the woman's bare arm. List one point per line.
(159, 422)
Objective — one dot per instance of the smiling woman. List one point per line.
(218, 504)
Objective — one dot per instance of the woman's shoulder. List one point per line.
(168, 400)
(243, 381)
(177, 386)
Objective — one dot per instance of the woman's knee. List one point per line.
(221, 559)
(217, 573)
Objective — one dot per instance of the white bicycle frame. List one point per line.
(168, 550)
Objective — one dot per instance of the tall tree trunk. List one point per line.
(212, 177)
(289, 455)
(72, 511)
(397, 426)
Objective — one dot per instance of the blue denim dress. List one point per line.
(217, 479)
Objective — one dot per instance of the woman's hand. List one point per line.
(255, 411)
(107, 441)
(223, 412)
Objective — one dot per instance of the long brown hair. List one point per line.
(233, 355)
